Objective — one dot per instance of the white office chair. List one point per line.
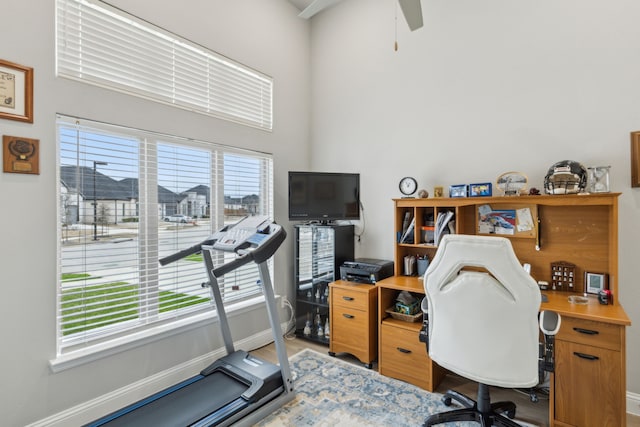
(483, 324)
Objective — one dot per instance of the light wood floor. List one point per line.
(536, 413)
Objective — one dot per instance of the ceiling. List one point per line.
(411, 9)
(308, 8)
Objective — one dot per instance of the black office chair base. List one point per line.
(483, 412)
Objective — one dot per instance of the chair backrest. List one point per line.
(483, 324)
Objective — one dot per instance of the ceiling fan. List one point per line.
(411, 9)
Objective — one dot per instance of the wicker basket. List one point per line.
(412, 318)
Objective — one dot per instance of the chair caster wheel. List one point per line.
(446, 400)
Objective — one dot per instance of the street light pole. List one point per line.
(95, 200)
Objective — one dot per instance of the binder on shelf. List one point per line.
(443, 226)
(407, 236)
(406, 221)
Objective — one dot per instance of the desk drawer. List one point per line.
(345, 297)
(403, 357)
(597, 334)
(349, 326)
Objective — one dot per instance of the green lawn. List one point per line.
(100, 305)
(194, 257)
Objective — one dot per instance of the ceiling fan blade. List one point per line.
(412, 11)
(316, 7)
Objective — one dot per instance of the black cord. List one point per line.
(364, 223)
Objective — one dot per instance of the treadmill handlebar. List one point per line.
(231, 265)
(258, 254)
(247, 252)
(184, 253)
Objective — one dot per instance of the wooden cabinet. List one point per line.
(590, 366)
(354, 322)
(401, 354)
(589, 384)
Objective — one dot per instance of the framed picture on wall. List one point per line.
(16, 92)
(635, 159)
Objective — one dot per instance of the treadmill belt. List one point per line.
(187, 405)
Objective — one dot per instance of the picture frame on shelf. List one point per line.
(595, 282)
(480, 190)
(16, 92)
(458, 190)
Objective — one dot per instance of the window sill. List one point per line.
(99, 351)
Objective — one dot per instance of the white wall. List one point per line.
(267, 36)
(485, 87)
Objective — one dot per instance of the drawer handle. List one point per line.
(586, 356)
(348, 316)
(586, 331)
(403, 350)
(347, 298)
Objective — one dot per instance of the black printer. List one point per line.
(366, 270)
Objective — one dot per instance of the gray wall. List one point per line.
(485, 87)
(267, 36)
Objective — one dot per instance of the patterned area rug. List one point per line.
(332, 392)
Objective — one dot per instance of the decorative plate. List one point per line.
(512, 183)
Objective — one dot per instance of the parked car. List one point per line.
(178, 218)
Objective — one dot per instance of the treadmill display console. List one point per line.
(239, 235)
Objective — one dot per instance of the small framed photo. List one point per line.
(458, 190)
(480, 190)
(595, 282)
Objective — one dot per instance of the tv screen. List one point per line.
(324, 196)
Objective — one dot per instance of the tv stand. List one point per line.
(319, 251)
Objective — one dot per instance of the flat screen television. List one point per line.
(324, 196)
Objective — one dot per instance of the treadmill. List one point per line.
(238, 388)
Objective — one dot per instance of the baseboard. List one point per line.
(633, 404)
(95, 408)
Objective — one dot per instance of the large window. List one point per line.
(102, 45)
(128, 198)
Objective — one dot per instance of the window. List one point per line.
(104, 46)
(127, 199)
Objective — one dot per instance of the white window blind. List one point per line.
(105, 46)
(127, 199)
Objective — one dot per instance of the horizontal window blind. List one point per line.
(105, 46)
(127, 199)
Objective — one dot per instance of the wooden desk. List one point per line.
(589, 385)
(590, 363)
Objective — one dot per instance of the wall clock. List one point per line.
(408, 186)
